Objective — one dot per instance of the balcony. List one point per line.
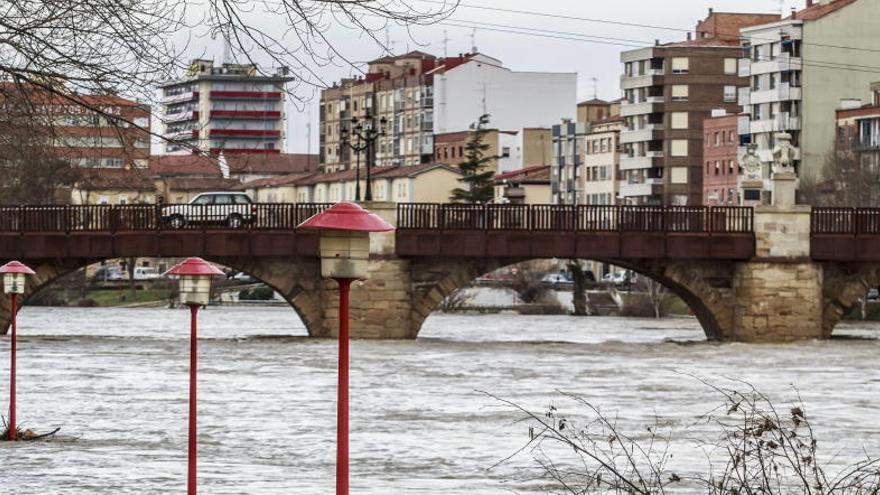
(784, 92)
(780, 123)
(245, 95)
(244, 114)
(652, 104)
(641, 135)
(778, 64)
(181, 116)
(644, 81)
(647, 188)
(244, 133)
(648, 160)
(181, 97)
(182, 135)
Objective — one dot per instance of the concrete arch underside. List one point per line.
(706, 287)
(296, 279)
(844, 285)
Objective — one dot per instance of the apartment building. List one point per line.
(418, 95)
(669, 89)
(799, 68)
(397, 89)
(601, 161)
(858, 130)
(233, 108)
(512, 150)
(721, 170)
(93, 131)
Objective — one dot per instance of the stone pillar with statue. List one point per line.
(784, 178)
(751, 183)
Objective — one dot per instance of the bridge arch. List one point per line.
(706, 287)
(296, 280)
(843, 286)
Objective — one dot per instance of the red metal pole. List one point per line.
(342, 401)
(12, 431)
(193, 369)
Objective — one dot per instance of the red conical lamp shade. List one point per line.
(346, 216)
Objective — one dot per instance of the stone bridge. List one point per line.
(762, 274)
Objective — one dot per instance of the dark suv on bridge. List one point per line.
(233, 209)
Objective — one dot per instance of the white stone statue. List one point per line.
(751, 163)
(783, 154)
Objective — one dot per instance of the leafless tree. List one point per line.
(846, 179)
(759, 448)
(457, 300)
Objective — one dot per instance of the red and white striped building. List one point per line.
(232, 108)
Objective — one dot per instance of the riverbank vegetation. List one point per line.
(754, 447)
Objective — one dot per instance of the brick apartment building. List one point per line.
(669, 89)
(94, 131)
(721, 171)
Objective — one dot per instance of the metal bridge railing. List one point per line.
(835, 220)
(584, 218)
(122, 218)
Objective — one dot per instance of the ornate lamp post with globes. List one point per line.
(345, 256)
(14, 283)
(195, 291)
(366, 131)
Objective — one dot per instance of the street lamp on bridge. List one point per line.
(195, 291)
(366, 132)
(14, 283)
(345, 255)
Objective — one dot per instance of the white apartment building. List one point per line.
(799, 69)
(231, 108)
(566, 185)
(601, 162)
(514, 100)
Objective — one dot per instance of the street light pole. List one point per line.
(14, 283)
(195, 291)
(342, 422)
(345, 255)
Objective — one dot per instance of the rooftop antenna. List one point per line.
(309, 131)
(781, 8)
(595, 87)
(474, 41)
(445, 44)
(389, 43)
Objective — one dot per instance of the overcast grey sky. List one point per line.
(533, 53)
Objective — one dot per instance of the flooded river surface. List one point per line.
(115, 380)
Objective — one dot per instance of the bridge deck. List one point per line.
(566, 231)
(845, 234)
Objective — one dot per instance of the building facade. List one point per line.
(721, 170)
(669, 89)
(418, 95)
(858, 131)
(233, 108)
(512, 150)
(526, 186)
(799, 68)
(601, 159)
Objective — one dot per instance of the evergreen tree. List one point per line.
(477, 180)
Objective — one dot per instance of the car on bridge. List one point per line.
(233, 209)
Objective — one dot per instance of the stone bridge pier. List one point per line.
(780, 293)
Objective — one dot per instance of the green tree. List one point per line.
(476, 179)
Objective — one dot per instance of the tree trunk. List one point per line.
(130, 262)
(579, 291)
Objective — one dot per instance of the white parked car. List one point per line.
(615, 278)
(146, 273)
(233, 209)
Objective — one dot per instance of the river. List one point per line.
(115, 380)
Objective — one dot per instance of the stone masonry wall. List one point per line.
(777, 301)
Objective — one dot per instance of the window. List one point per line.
(678, 147)
(680, 65)
(505, 152)
(679, 92)
(678, 175)
(730, 94)
(717, 140)
(679, 120)
(717, 167)
(730, 66)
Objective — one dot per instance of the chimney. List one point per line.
(689, 35)
(656, 42)
(793, 13)
(711, 10)
(809, 3)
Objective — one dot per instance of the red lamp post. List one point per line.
(195, 291)
(345, 255)
(14, 283)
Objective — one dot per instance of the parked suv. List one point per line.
(233, 209)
